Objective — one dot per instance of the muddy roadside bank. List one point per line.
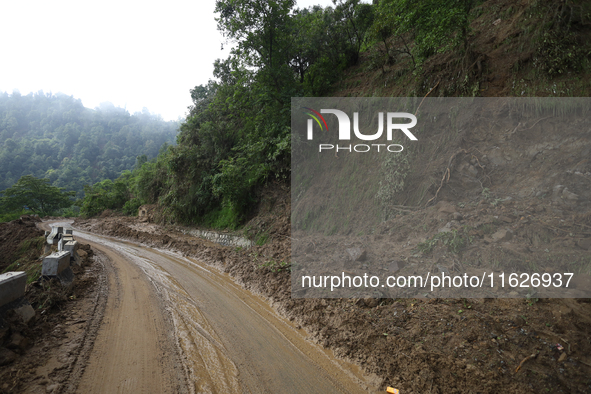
(437, 345)
(48, 354)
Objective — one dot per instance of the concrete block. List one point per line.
(222, 239)
(12, 286)
(72, 247)
(55, 263)
(68, 236)
(58, 265)
(26, 312)
(53, 237)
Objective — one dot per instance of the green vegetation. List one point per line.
(56, 137)
(36, 196)
(9, 216)
(27, 258)
(454, 240)
(394, 169)
(431, 25)
(128, 192)
(276, 266)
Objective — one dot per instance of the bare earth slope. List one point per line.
(440, 345)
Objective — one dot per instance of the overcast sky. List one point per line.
(132, 53)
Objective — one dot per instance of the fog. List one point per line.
(134, 54)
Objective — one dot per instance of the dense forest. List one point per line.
(54, 136)
(237, 138)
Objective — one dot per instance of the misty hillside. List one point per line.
(237, 136)
(54, 136)
(236, 140)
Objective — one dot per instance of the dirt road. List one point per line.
(173, 324)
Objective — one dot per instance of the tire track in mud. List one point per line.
(341, 379)
(207, 365)
(133, 350)
(228, 339)
(95, 321)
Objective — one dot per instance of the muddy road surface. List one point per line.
(173, 324)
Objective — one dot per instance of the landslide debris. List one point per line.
(41, 355)
(416, 345)
(12, 234)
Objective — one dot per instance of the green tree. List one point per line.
(257, 26)
(106, 195)
(355, 19)
(35, 194)
(320, 48)
(435, 25)
(263, 33)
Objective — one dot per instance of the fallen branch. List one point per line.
(560, 229)
(480, 165)
(440, 186)
(523, 361)
(426, 97)
(446, 173)
(539, 120)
